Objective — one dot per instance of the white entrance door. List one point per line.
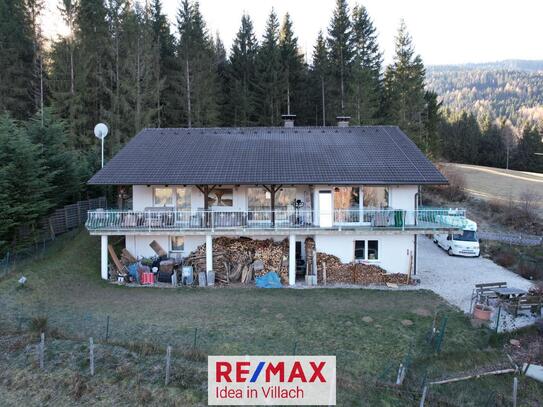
(325, 209)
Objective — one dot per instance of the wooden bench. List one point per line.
(530, 302)
(485, 291)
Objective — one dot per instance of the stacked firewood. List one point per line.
(355, 273)
(242, 259)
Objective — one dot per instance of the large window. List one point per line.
(221, 197)
(375, 197)
(366, 250)
(260, 199)
(170, 196)
(163, 197)
(177, 243)
(182, 198)
(346, 204)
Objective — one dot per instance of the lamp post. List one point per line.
(100, 131)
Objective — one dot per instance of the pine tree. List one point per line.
(26, 180)
(366, 68)
(319, 75)
(241, 76)
(404, 102)
(196, 57)
(59, 160)
(63, 58)
(164, 64)
(17, 57)
(293, 69)
(341, 57)
(94, 80)
(269, 74)
(529, 153)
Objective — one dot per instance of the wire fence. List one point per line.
(402, 378)
(38, 239)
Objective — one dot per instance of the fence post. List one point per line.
(423, 398)
(66, 225)
(194, 342)
(79, 213)
(168, 364)
(515, 388)
(91, 356)
(107, 328)
(498, 318)
(323, 273)
(41, 349)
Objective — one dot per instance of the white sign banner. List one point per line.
(271, 380)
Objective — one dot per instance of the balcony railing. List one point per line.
(160, 220)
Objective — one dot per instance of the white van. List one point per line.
(460, 244)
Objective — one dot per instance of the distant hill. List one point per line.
(512, 89)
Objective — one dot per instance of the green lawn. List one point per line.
(65, 287)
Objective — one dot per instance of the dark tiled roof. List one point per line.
(270, 155)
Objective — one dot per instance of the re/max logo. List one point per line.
(243, 371)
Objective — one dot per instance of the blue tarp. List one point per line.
(133, 272)
(269, 280)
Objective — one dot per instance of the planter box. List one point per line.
(482, 312)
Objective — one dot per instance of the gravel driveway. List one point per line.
(455, 277)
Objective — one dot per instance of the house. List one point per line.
(354, 190)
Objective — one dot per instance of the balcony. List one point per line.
(160, 220)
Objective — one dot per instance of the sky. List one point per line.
(443, 31)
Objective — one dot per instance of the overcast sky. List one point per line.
(444, 32)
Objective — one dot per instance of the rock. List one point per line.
(423, 312)
(367, 319)
(515, 342)
(406, 322)
(279, 316)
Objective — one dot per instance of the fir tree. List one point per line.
(404, 91)
(199, 81)
(241, 76)
(341, 56)
(318, 78)
(17, 57)
(26, 180)
(293, 70)
(269, 74)
(366, 69)
(529, 153)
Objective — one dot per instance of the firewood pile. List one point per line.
(242, 259)
(355, 273)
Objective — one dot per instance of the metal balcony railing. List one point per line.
(164, 219)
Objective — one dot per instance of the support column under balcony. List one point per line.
(209, 253)
(292, 260)
(103, 265)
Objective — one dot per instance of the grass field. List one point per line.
(498, 184)
(64, 286)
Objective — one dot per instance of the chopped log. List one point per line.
(157, 248)
(120, 267)
(357, 273)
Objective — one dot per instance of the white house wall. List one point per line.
(394, 250)
(139, 245)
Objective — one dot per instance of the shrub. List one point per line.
(529, 271)
(505, 259)
(38, 325)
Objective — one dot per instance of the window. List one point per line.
(360, 250)
(346, 204)
(221, 197)
(375, 197)
(163, 197)
(177, 243)
(182, 197)
(373, 250)
(260, 199)
(284, 198)
(366, 250)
